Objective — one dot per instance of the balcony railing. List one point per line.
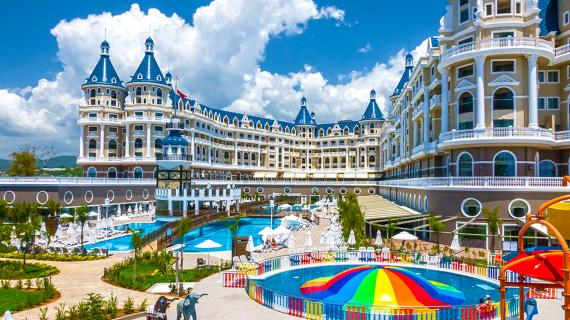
(434, 101)
(510, 132)
(74, 181)
(417, 110)
(470, 182)
(562, 50)
(488, 44)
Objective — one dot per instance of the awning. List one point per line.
(301, 175)
(318, 175)
(348, 175)
(330, 175)
(376, 207)
(362, 176)
(257, 175)
(271, 175)
(288, 175)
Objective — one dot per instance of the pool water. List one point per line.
(289, 282)
(219, 232)
(123, 243)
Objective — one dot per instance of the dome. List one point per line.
(174, 140)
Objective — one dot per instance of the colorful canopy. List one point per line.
(544, 263)
(386, 286)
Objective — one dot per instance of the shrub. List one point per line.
(143, 305)
(128, 306)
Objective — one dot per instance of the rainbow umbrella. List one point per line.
(385, 286)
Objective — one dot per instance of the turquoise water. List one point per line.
(289, 282)
(123, 243)
(219, 232)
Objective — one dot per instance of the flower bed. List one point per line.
(13, 270)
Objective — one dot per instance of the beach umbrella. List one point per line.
(119, 210)
(455, 243)
(291, 242)
(312, 215)
(382, 286)
(378, 240)
(351, 238)
(249, 246)
(405, 235)
(66, 216)
(208, 244)
(265, 231)
(323, 239)
(93, 214)
(308, 239)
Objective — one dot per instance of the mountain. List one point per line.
(55, 162)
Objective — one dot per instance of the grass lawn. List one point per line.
(20, 299)
(147, 274)
(14, 270)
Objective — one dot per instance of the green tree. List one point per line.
(53, 207)
(183, 227)
(493, 223)
(351, 217)
(27, 222)
(23, 163)
(436, 226)
(82, 216)
(137, 243)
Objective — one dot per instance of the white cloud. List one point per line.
(216, 58)
(365, 49)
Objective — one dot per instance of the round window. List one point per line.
(519, 208)
(42, 197)
(330, 190)
(129, 195)
(88, 196)
(342, 190)
(471, 207)
(9, 197)
(145, 194)
(357, 191)
(111, 195)
(371, 191)
(246, 190)
(68, 197)
(287, 190)
(315, 190)
(259, 189)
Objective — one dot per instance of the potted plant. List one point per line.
(52, 219)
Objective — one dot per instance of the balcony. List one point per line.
(434, 101)
(521, 136)
(99, 120)
(151, 119)
(521, 45)
(475, 182)
(417, 111)
(562, 53)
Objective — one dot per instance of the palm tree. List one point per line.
(390, 229)
(493, 222)
(436, 226)
(183, 227)
(82, 216)
(27, 222)
(137, 243)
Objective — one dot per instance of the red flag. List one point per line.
(181, 94)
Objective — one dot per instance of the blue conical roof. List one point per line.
(148, 70)
(403, 80)
(304, 118)
(372, 111)
(174, 137)
(104, 73)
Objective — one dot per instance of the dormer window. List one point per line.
(159, 78)
(113, 80)
(139, 76)
(94, 79)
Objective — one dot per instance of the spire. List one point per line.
(372, 111)
(105, 48)
(409, 60)
(149, 45)
(304, 118)
(372, 95)
(104, 73)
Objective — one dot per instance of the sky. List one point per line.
(253, 56)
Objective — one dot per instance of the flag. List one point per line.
(181, 94)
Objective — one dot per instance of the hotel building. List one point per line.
(480, 121)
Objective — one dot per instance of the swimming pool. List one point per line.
(289, 282)
(123, 243)
(218, 231)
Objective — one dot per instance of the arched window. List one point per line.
(138, 94)
(92, 144)
(465, 111)
(114, 98)
(138, 173)
(159, 96)
(504, 164)
(465, 165)
(371, 158)
(503, 99)
(226, 155)
(138, 143)
(92, 94)
(111, 173)
(547, 168)
(92, 172)
(158, 144)
(112, 145)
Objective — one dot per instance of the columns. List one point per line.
(426, 116)
(480, 114)
(193, 149)
(307, 160)
(184, 208)
(346, 157)
(169, 207)
(259, 156)
(196, 207)
(148, 140)
(127, 140)
(276, 157)
(210, 150)
(444, 101)
(102, 142)
(81, 142)
(532, 92)
(235, 153)
(416, 131)
(366, 157)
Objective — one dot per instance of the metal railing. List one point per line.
(507, 42)
(470, 182)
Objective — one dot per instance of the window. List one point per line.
(503, 34)
(503, 66)
(471, 207)
(158, 143)
(504, 165)
(113, 130)
(92, 172)
(541, 76)
(546, 168)
(552, 76)
(465, 71)
(112, 145)
(92, 144)
(503, 99)
(92, 115)
(518, 208)
(159, 96)
(113, 98)
(489, 9)
(504, 7)
(518, 7)
(138, 143)
(158, 129)
(138, 94)
(92, 129)
(566, 18)
(463, 15)
(465, 165)
(465, 41)
(548, 103)
(465, 103)
(138, 173)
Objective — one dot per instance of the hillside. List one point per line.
(55, 162)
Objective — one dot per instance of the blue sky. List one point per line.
(30, 49)
(251, 56)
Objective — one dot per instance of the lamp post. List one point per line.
(271, 202)
(107, 204)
